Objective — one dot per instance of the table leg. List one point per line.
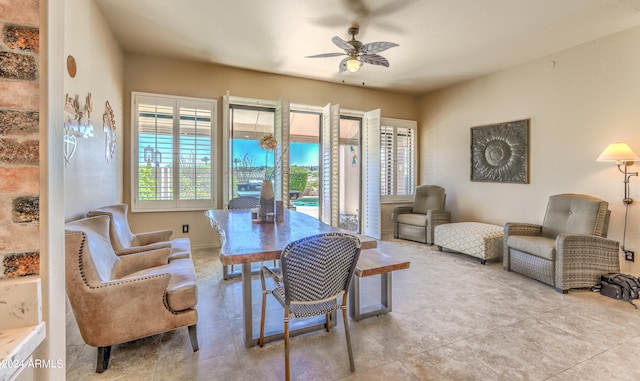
(247, 311)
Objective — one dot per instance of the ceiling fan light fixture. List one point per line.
(353, 64)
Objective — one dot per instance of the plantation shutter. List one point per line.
(282, 127)
(173, 151)
(405, 152)
(386, 161)
(398, 150)
(226, 149)
(153, 137)
(330, 146)
(371, 179)
(194, 153)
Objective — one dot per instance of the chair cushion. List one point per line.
(181, 292)
(428, 197)
(576, 214)
(413, 219)
(538, 246)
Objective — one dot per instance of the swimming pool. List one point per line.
(306, 201)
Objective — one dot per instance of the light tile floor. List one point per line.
(452, 319)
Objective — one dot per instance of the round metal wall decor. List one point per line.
(71, 66)
(499, 152)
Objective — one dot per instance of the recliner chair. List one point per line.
(570, 249)
(417, 222)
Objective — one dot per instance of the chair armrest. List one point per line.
(396, 212)
(147, 238)
(277, 278)
(106, 313)
(132, 263)
(438, 217)
(516, 228)
(581, 259)
(402, 210)
(140, 249)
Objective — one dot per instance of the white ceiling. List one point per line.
(441, 41)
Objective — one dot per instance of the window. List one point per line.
(172, 152)
(397, 159)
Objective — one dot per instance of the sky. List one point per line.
(302, 154)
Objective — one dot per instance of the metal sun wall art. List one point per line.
(500, 152)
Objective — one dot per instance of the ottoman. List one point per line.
(477, 239)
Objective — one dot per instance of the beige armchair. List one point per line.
(119, 299)
(125, 242)
(417, 222)
(570, 248)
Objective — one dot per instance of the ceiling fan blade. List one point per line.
(325, 55)
(378, 46)
(343, 65)
(357, 7)
(374, 59)
(391, 7)
(342, 44)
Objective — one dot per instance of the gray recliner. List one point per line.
(417, 222)
(570, 248)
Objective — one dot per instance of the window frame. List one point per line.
(176, 203)
(395, 124)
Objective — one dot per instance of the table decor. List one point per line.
(267, 197)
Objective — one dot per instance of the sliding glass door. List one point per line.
(304, 162)
(250, 164)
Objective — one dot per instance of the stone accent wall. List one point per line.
(19, 139)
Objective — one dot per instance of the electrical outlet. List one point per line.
(185, 228)
(629, 255)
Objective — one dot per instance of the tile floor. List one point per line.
(452, 319)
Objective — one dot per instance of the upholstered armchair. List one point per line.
(116, 299)
(416, 222)
(125, 242)
(570, 248)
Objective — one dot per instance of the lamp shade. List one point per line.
(353, 64)
(618, 152)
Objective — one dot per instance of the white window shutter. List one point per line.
(226, 159)
(335, 165)
(330, 145)
(172, 151)
(282, 127)
(371, 175)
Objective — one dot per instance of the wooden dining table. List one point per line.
(244, 241)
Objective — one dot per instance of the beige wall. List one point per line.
(166, 76)
(591, 98)
(91, 181)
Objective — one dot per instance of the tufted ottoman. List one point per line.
(477, 239)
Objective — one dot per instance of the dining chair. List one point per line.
(316, 272)
(241, 202)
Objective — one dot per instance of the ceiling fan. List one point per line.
(358, 53)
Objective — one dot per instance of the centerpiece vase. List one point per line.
(267, 200)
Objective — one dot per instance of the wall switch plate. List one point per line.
(185, 228)
(629, 255)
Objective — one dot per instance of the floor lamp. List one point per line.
(623, 156)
